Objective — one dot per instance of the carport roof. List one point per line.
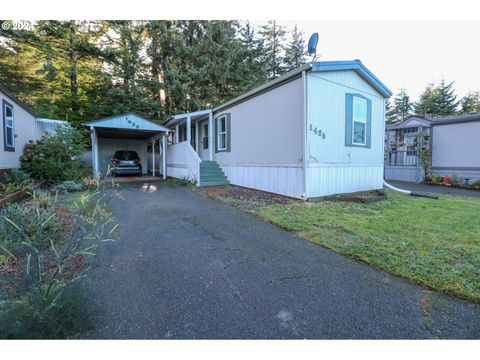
(128, 123)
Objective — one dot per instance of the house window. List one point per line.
(8, 126)
(205, 136)
(359, 134)
(222, 132)
(358, 120)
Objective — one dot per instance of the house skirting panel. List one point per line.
(403, 173)
(329, 180)
(281, 179)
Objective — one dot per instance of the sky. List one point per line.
(403, 54)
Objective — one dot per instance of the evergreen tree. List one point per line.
(254, 66)
(402, 105)
(274, 38)
(470, 102)
(437, 100)
(295, 51)
(390, 113)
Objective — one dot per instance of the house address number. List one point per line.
(317, 131)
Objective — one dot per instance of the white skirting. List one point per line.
(329, 180)
(280, 179)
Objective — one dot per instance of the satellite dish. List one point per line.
(312, 45)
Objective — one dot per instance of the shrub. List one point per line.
(477, 183)
(31, 317)
(454, 180)
(17, 180)
(55, 157)
(48, 303)
(17, 176)
(69, 186)
(436, 179)
(30, 223)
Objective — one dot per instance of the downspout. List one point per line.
(305, 137)
(408, 192)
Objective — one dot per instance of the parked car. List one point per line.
(126, 162)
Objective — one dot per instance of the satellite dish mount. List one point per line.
(312, 46)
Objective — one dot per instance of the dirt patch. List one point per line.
(241, 194)
(364, 197)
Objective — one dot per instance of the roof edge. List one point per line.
(15, 99)
(92, 123)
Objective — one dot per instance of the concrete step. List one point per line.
(214, 182)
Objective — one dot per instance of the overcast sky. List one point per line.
(404, 54)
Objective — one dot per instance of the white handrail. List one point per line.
(184, 162)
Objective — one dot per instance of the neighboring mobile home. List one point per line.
(18, 127)
(453, 141)
(315, 131)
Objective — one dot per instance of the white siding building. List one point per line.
(316, 131)
(18, 128)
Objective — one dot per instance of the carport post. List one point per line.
(177, 135)
(153, 157)
(210, 136)
(94, 151)
(164, 155)
(189, 130)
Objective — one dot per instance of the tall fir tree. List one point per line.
(402, 105)
(390, 113)
(252, 59)
(470, 103)
(295, 50)
(437, 100)
(274, 39)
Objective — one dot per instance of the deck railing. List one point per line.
(402, 158)
(183, 162)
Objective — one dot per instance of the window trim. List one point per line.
(349, 99)
(365, 101)
(219, 133)
(8, 147)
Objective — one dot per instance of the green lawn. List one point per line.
(432, 242)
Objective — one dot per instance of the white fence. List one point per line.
(183, 162)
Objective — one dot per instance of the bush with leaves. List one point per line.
(55, 157)
(69, 186)
(15, 181)
(47, 304)
(28, 223)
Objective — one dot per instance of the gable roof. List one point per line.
(357, 66)
(320, 66)
(440, 120)
(405, 123)
(129, 121)
(19, 102)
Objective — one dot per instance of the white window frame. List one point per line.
(12, 145)
(224, 133)
(360, 121)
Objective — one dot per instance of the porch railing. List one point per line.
(183, 162)
(402, 158)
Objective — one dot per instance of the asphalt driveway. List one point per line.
(188, 267)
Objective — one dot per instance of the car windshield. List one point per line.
(126, 155)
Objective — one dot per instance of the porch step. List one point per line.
(211, 174)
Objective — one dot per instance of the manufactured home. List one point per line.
(18, 128)
(315, 131)
(453, 141)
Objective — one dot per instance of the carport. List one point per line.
(127, 132)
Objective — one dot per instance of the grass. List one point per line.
(431, 242)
